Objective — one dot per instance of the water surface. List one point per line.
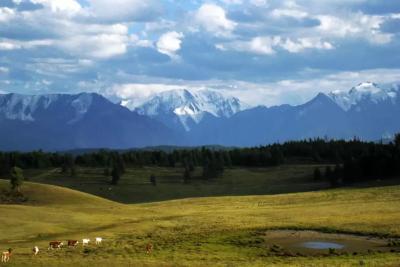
(321, 245)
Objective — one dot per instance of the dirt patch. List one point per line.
(310, 243)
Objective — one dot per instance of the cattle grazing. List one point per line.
(55, 244)
(98, 240)
(149, 248)
(5, 256)
(35, 250)
(73, 243)
(85, 241)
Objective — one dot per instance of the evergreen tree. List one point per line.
(397, 141)
(328, 172)
(115, 175)
(153, 180)
(317, 174)
(187, 175)
(16, 178)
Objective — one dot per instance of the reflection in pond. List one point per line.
(321, 245)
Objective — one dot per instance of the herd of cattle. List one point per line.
(5, 256)
(70, 243)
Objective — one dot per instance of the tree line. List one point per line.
(354, 160)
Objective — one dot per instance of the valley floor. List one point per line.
(135, 186)
(213, 231)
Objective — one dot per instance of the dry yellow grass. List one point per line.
(215, 231)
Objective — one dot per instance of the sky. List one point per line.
(265, 52)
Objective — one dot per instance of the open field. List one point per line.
(135, 186)
(214, 231)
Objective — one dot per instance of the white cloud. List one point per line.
(136, 41)
(169, 43)
(8, 44)
(305, 43)
(6, 14)
(123, 10)
(356, 25)
(4, 70)
(213, 19)
(267, 45)
(294, 13)
(68, 7)
(259, 3)
(95, 46)
(232, 2)
(258, 45)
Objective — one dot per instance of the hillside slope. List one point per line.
(189, 232)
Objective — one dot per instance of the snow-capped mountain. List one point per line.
(189, 108)
(30, 107)
(56, 122)
(368, 111)
(84, 120)
(363, 93)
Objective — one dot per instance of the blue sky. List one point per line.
(262, 51)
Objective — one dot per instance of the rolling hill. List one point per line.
(189, 232)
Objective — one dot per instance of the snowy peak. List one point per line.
(28, 107)
(191, 106)
(364, 92)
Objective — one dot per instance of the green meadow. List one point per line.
(135, 186)
(217, 230)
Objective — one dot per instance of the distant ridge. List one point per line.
(62, 122)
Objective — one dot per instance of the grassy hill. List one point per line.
(215, 231)
(135, 186)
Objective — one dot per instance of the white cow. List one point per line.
(35, 250)
(98, 240)
(85, 241)
(5, 256)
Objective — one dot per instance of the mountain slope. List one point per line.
(184, 109)
(371, 109)
(362, 94)
(261, 125)
(56, 122)
(179, 117)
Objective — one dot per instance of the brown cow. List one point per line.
(55, 244)
(73, 243)
(149, 248)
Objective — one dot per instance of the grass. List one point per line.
(214, 231)
(135, 186)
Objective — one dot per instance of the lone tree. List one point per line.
(317, 174)
(16, 178)
(115, 175)
(153, 180)
(106, 172)
(397, 140)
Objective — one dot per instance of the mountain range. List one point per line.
(184, 118)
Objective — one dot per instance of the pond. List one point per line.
(321, 245)
(318, 243)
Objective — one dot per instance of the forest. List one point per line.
(346, 161)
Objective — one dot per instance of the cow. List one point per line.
(98, 240)
(55, 244)
(5, 256)
(149, 248)
(73, 243)
(35, 250)
(85, 241)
